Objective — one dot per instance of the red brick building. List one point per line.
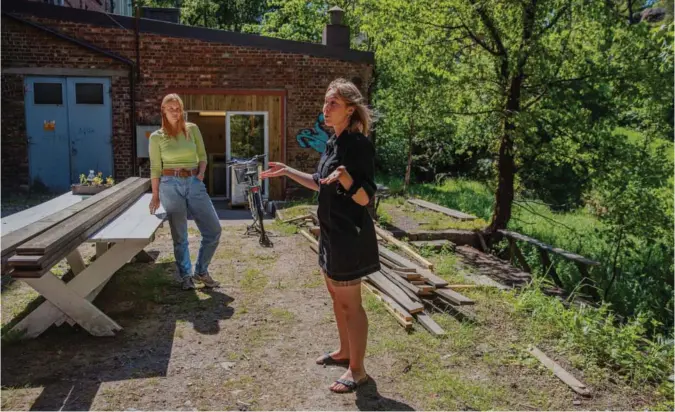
(85, 87)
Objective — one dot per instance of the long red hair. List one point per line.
(170, 130)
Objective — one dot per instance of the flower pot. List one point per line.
(87, 189)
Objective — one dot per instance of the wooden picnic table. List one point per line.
(116, 244)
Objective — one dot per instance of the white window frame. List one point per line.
(228, 146)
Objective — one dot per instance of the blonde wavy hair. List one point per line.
(181, 126)
(362, 117)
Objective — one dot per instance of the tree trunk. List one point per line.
(505, 163)
(408, 168)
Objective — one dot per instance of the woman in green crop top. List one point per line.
(177, 165)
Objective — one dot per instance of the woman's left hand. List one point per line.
(340, 172)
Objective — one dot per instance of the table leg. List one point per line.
(87, 284)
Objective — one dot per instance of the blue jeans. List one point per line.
(178, 196)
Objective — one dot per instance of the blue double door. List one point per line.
(69, 129)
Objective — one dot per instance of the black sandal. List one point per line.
(351, 385)
(329, 360)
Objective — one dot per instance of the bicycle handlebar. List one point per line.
(247, 161)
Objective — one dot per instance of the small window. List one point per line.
(47, 93)
(88, 93)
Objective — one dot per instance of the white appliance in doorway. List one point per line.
(246, 135)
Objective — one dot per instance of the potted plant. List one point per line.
(92, 184)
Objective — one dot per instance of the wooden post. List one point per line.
(521, 258)
(587, 284)
(548, 267)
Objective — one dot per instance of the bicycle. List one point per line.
(246, 171)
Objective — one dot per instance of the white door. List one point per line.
(246, 135)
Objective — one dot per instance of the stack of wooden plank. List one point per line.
(405, 287)
(34, 249)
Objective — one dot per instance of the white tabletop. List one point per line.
(135, 223)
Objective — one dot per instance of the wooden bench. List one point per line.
(581, 262)
(116, 244)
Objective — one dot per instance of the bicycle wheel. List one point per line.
(257, 203)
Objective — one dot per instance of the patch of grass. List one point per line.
(167, 258)
(194, 231)
(241, 382)
(597, 341)
(297, 209)
(147, 284)
(282, 315)
(254, 280)
(427, 219)
(446, 267)
(283, 229)
(225, 252)
(314, 280)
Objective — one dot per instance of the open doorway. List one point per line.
(212, 126)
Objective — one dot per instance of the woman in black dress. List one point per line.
(347, 244)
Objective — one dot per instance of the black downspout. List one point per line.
(134, 138)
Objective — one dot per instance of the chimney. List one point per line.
(336, 34)
(168, 14)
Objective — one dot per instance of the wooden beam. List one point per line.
(409, 289)
(15, 238)
(53, 238)
(402, 261)
(453, 297)
(391, 239)
(309, 237)
(388, 287)
(33, 267)
(519, 256)
(558, 371)
(442, 209)
(429, 324)
(549, 248)
(549, 268)
(295, 219)
(404, 319)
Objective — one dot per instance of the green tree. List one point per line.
(535, 80)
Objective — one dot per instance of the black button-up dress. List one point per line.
(347, 243)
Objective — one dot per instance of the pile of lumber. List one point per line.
(407, 289)
(34, 249)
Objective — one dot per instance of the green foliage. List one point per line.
(595, 337)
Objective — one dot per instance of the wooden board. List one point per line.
(567, 255)
(395, 292)
(391, 239)
(135, 223)
(45, 262)
(12, 240)
(561, 373)
(441, 209)
(404, 319)
(309, 237)
(52, 239)
(429, 324)
(453, 297)
(26, 217)
(411, 290)
(402, 261)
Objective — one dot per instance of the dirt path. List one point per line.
(251, 344)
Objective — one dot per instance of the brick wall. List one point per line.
(179, 63)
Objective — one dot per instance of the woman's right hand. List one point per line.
(276, 169)
(154, 204)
